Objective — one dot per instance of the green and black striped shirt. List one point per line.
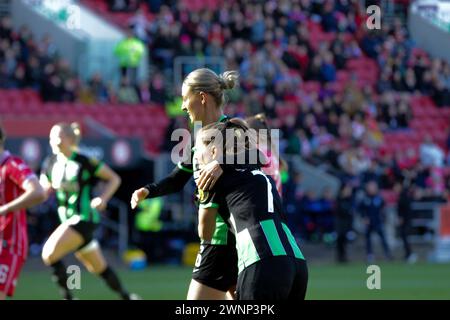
(73, 179)
(248, 201)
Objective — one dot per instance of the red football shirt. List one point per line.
(13, 225)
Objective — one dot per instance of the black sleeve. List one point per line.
(173, 183)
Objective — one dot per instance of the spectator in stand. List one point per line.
(140, 25)
(143, 91)
(123, 5)
(158, 93)
(410, 83)
(430, 153)
(51, 89)
(329, 20)
(353, 51)
(130, 52)
(155, 5)
(86, 95)
(69, 90)
(441, 93)
(99, 89)
(328, 69)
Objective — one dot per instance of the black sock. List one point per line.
(60, 278)
(113, 282)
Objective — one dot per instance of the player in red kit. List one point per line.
(19, 189)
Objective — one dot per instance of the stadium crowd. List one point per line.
(270, 44)
(341, 130)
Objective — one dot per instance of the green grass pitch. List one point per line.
(398, 281)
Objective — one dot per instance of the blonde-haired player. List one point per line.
(73, 175)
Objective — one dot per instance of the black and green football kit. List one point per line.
(216, 263)
(270, 263)
(73, 179)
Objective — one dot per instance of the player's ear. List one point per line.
(203, 97)
(213, 152)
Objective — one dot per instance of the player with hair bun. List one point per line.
(215, 273)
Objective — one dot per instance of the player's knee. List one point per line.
(92, 269)
(48, 255)
(97, 269)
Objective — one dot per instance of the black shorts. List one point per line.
(86, 229)
(216, 266)
(277, 278)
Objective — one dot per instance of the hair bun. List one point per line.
(76, 128)
(228, 80)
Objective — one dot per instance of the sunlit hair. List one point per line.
(71, 130)
(206, 80)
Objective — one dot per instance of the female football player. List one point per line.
(271, 266)
(73, 175)
(215, 272)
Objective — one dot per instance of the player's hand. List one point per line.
(209, 176)
(137, 196)
(98, 203)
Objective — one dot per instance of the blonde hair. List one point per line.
(71, 130)
(208, 81)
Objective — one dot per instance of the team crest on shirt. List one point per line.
(202, 195)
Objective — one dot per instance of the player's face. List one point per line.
(192, 104)
(58, 141)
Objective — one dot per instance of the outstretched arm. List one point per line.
(173, 183)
